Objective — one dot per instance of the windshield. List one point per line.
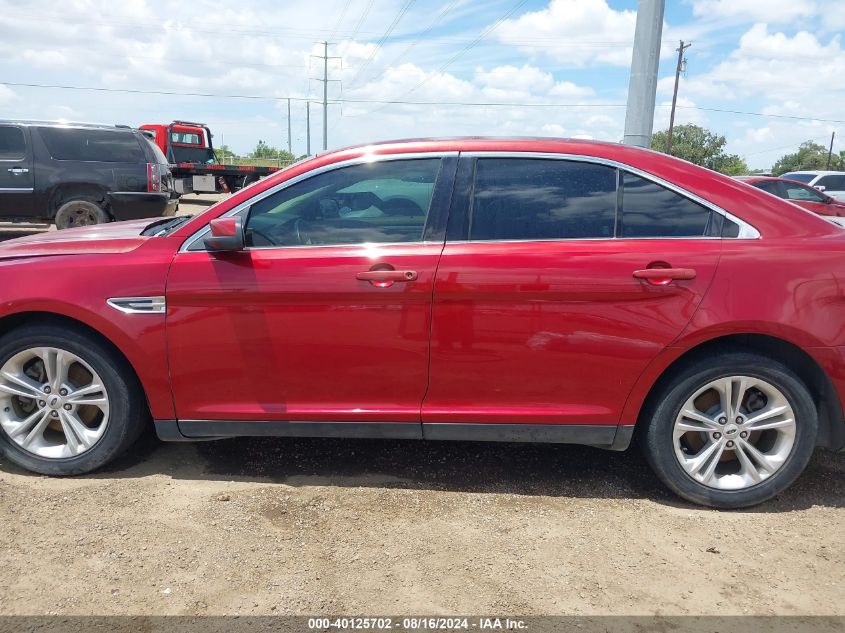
(799, 177)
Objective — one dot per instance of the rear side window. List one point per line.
(650, 210)
(537, 199)
(108, 146)
(12, 144)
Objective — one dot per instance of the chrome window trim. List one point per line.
(360, 160)
(746, 231)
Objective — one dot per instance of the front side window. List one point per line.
(834, 183)
(800, 192)
(537, 199)
(651, 210)
(381, 202)
(83, 144)
(12, 144)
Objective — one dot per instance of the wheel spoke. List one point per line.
(692, 414)
(83, 395)
(774, 424)
(763, 460)
(707, 475)
(23, 381)
(746, 466)
(48, 357)
(738, 392)
(75, 431)
(725, 389)
(695, 464)
(63, 363)
(37, 431)
(26, 425)
(760, 416)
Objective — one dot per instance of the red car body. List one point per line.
(557, 339)
(798, 193)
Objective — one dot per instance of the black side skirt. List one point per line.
(603, 436)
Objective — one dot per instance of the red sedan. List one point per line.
(475, 289)
(798, 193)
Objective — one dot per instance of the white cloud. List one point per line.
(7, 95)
(771, 11)
(574, 33)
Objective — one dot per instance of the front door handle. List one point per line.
(663, 276)
(387, 275)
(17, 170)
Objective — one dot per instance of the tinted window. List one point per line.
(159, 155)
(834, 183)
(649, 210)
(109, 146)
(798, 177)
(379, 202)
(536, 199)
(12, 143)
(771, 186)
(800, 192)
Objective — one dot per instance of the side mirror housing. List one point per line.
(820, 187)
(227, 234)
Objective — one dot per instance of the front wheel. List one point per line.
(68, 403)
(80, 213)
(732, 430)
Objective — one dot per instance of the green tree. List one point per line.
(224, 153)
(263, 150)
(810, 155)
(702, 147)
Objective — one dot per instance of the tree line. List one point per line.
(706, 148)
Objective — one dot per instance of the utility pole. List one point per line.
(325, 57)
(308, 128)
(830, 151)
(678, 69)
(642, 86)
(290, 146)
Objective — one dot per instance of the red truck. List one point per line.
(196, 169)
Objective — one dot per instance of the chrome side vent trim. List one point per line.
(139, 305)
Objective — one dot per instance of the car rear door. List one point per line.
(17, 175)
(550, 302)
(326, 316)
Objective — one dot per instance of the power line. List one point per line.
(358, 26)
(383, 38)
(340, 19)
(503, 104)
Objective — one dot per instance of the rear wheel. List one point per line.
(80, 213)
(731, 431)
(68, 404)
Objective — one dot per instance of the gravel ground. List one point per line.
(298, 526)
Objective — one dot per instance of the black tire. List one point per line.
(658, 444)
(128, 414)
(80, 212)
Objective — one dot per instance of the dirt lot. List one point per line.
(278, 526)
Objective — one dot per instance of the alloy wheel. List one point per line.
(52, 403)
(734, 432)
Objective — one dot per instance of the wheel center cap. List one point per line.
(731, 429)
(54, 402)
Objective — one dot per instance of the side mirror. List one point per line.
(820, 187)
(227, 234)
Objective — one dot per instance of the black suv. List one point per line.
(77, 174)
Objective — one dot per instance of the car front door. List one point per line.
(550, 301)
(325, 316)
(16, 173)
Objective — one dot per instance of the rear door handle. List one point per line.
(664, 275)
(17, 170)
(387, 275)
